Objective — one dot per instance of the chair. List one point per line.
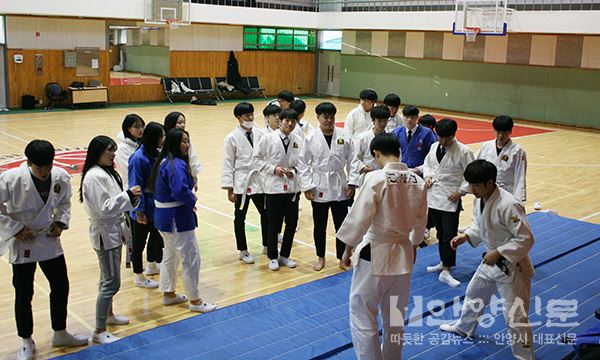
(55, 93)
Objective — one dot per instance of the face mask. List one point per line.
(248, 124)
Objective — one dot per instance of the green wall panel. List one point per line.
(148, 59)
(557, 95)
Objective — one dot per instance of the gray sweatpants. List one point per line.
(110, 282)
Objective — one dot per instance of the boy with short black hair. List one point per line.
(510, 158)
(500, 222)
(35, 208)
(284, 98)
(326, 153)
(428, 121)
(271, 115)
(304, 127)
(243, 182)
(392, 101)
(358, 119)
(276, 157)
(443, 172)
(415, 140)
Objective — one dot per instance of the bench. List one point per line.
(188, 87)
(250, 82)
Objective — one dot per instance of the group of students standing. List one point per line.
(412, 173)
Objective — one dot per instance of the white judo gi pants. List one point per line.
(369, 295)
(516, 296)
(180, 246)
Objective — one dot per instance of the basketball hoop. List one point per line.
(471, 33)
(173, 23)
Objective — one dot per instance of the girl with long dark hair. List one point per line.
(105, 202)
(177, 120)
(140, 167)
(175, 218)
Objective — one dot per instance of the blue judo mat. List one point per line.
(311, 320)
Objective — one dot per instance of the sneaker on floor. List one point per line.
(152, 269)
(287, 262)
(447, 278)
(203, 308)
(280, 237)
(265, 250)
(104, 338)
(177, 299)
(146, 283)
(64, 338)
(273, 265)
(435, 268)
(452, 329)
(426, 234)
(115, 319)
(26, 351)
(246, 257)
(537, 205)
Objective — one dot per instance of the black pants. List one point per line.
(55, 271)
(154, 251)
(239, 220)
(280, 206)
(446, 226)
(339, 210)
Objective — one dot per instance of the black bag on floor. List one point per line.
(28, 102)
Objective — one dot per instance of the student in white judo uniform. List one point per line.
(175, 218)
(35, 207)
(500, 223)
(366, 163)
(242, 181)
(382, 230)
(173, 120)
(284, 99)
(327, 155)
(443, 173)
(276, 157)
(303, 127)
(509, 157)
(129, 139)
(105, 202)
(392, 101)
(358, 119)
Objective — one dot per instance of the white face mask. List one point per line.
(248, 124)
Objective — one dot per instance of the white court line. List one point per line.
(565, 165)
(258, 227)
(590, 216)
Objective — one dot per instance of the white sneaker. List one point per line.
(146, 283)
(178, 299)
(287, 262)
(537, 205)
(265, 250)
(452, 329)
(117, 320)
(104, 338)
(64, 338)
(436, 268)
(27, 350)
(280, 237)
(447, 278)
(203, 308)
(246, 257)
(152, 269)
(273, 265)
(426, 234)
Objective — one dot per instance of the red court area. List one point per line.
(474, 131)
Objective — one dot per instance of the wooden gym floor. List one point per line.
(563, 175)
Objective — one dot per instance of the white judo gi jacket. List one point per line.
(21, 205)
(390, 213)
(105, 203)
(447, 175)
(303, 130)
(502, 226)
(237, 170)
(125, 149)
(271, 153)
(322, 168)
(511, 164)
(394, 122)
(357, 121)
(195, 166)
(362, 144)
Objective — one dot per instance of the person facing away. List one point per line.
(381, 233)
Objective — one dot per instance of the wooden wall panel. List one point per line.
(136, 93)
(22, 78)
(276, 70)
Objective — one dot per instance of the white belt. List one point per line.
(108, 221)
(246, 185)
(167, 205)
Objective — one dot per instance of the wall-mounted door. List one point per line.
(329, 72)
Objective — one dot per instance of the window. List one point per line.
(279, 39)
(2, 35)
(330, 40)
